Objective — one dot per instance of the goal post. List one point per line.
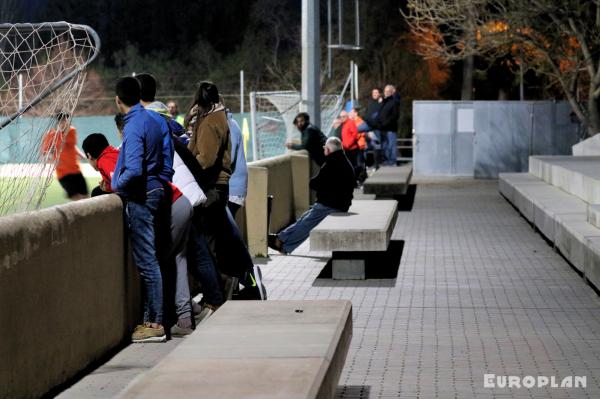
(42, 72)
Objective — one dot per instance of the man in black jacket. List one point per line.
(334, 185)
(386, 121)
(313, 139)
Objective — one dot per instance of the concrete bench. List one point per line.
(366, 228)
(257, 349)
(389, 181)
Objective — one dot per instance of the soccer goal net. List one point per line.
(42, 71)
(272, 115)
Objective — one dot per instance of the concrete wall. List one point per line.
(286, 177)
(68, 293)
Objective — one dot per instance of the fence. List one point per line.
(484, 138)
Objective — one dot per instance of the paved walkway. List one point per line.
(478, 291)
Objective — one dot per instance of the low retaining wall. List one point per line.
(286, 178)
(69, 291)
(69, 294)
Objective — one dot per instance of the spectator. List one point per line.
(350, 139)
(174, 112)
(313, 139)
(238, 184)
(210, 144)
(137, 180)
(386, 121)
(334, 185)
(61, 143)
(103, 158)
(361, 173)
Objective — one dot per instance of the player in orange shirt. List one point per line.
(57, 143)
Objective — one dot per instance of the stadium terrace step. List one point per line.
(579, 176)
(257, 349)
(366, 227)
(389, 181)
(553, 198)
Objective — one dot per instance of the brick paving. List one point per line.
(478, 291)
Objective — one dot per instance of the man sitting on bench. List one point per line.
(334, 185)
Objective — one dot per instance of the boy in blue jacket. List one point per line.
(137, 180)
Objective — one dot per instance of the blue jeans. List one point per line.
(202, 266)
(294, 235)
(390, 152)
(141, 219)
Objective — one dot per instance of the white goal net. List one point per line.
(41, 75)
(272, 114)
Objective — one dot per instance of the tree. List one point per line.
(559, 39)
(448, 30)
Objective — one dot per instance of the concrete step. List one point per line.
(561, 217)
(579, 176)
(593, 215)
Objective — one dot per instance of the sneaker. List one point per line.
(177, 331)
(207, 311)
(275, 243)
(149, 334)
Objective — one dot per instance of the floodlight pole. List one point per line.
(311, 61)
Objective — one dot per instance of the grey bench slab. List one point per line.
(257, 349)
(389, 181)
(367, 226)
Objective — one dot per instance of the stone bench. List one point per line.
(354, 235)
(389, 181)
(256, 349)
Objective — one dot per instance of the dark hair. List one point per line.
(94, 144)
(62, 116)
(147, 86)
(120, 121)
(206, 95)
(128, 90)
(302, 115)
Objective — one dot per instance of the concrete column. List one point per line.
(311, 61)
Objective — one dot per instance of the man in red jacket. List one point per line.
(350, 141)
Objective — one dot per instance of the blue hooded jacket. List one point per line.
(140, 161)
(238, 182)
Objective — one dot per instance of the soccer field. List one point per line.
(19, 185)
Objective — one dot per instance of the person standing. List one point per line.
(238, 183)
(137, 180)
(313, 139)
(386, 121)
(350, 141)
(61, 143)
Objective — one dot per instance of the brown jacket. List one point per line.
(210, 138)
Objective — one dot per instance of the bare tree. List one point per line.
(449, 30)
(559, 39)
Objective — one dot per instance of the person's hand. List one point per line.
(103, 185)
(288, 146)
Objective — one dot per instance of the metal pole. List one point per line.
(253, 123)
(311, 61)
(242, 91)
(352, 83)
(329, 38)
(357, 25)
(356, 81)
(20, 78)
(340, 22)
